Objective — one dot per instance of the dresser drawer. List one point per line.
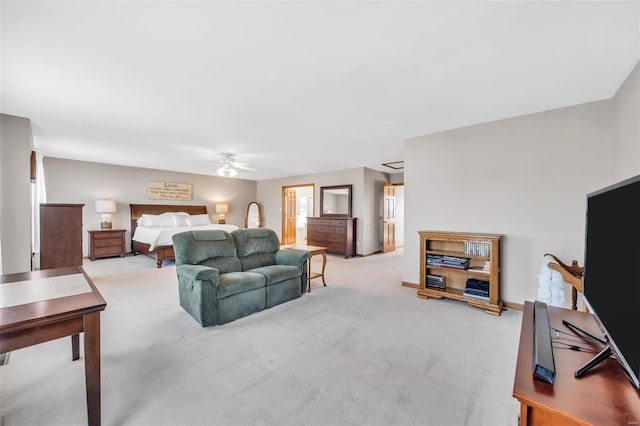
(108, 242)
(328, 229)
(315, 236)
(107, 251)
(106, 235)
(336, 248)
(335, 238)
(327, 222)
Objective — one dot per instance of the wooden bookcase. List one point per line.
(486, 253)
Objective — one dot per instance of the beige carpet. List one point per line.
(362, 351)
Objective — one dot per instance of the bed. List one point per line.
(155, 241)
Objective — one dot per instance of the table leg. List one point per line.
(524, 414)
(324, 263)
(75, 347)
(309, 273)
(92, 366)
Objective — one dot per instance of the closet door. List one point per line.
(60, 235)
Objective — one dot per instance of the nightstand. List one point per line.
(106, 243)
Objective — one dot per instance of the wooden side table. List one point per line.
(106, 243)
(45, 305)
(313, 250)
(603, 397)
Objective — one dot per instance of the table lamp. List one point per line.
(106, 207)
(222, 209)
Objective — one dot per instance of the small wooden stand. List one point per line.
(571, 274)
(602, 397)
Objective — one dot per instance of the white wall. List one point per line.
(626, 127)
(525, 178)
(270, 196)
(399, 234)
(396, 178)
(15, 194)
(70, 181)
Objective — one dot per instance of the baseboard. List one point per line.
(510, 305)
(370, 254)
(516, 306)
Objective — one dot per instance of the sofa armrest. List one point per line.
(292, 257)
(297, 258)
(198, 272)
(197, 289)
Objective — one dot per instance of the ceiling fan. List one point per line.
(228, 166)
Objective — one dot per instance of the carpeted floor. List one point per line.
(362, 351)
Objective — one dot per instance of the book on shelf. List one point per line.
(480, 285)
(436, 281)
(438, 286)
(447, 261)
(477, 292)
(476, 296)
(486, 269)
(477, 248)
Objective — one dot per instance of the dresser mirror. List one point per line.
(335, 201)
(254, 217)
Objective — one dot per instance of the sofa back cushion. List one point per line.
(213, 248)
(257, 247)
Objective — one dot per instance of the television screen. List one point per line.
(612, 269)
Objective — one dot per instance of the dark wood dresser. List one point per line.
(60, 235)
(338, 235)
(106, 243)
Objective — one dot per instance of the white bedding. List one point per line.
(161, 236)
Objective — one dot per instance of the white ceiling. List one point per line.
(296, 88)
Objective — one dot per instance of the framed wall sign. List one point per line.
(169, 191)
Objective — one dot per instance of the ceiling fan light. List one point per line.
(227, 171)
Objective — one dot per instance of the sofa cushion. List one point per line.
(239, 282)
(224, 264)
(256, 247)
(277, 273)
(196, 248)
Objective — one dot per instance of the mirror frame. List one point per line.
(246, 218)
(349, 200)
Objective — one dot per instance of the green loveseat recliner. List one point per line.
(224, 276)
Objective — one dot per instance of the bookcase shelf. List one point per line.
(457, 244)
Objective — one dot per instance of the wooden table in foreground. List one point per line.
(313, 250)
(45, 305)
(604, 396)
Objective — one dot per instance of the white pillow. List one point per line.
(180, 220)
(174, 213)
(198, 220)
(164, 220)
(147, 220)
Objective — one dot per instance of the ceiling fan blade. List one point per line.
(243, 167)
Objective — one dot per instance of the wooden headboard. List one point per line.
(137, 210)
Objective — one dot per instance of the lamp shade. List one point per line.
(222, 208)
(106, 206)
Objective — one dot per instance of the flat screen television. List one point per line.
(612, 272)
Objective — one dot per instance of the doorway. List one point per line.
(392, 217)
(297, 204)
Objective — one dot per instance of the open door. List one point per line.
(290, 217)
(297, 205)
(389, 219)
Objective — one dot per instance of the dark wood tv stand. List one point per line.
(603, 396)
